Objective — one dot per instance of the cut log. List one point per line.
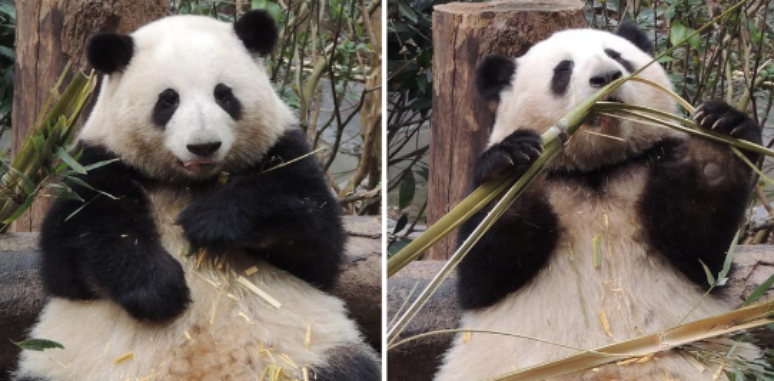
(21, 291)
(48, 34)
(418, 360)
(462, 34)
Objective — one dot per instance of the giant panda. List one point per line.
(209, 193)
(660, 203)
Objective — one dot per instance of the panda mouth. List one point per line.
(198, 166)
(603, 122)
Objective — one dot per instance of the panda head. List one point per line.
(557, 74)
(187, 97)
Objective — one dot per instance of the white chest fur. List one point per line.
(603, 284)
(227, 332)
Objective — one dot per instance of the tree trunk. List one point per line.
(48, 35)
(462, 34)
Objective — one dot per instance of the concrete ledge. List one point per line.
(418, 360)
(21, 291)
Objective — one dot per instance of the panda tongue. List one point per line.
(196, 165)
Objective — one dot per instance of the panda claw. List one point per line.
(704, 120)
(698, 114)
(717, 123)
(736, 131)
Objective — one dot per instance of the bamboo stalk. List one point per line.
(730, 322)
(552, 145)
(54, 128)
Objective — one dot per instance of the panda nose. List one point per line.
(204, 149)
(603, 79)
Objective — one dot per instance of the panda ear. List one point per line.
(493, 74)
(110, 52)
(257, 31)
(636, 36)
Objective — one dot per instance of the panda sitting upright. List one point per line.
(658, 204)
(186, 100)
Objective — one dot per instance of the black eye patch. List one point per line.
(561, 79)
(617, 57)
(225, 98)
(165, 108)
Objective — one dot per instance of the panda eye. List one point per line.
(165, 107)
(225, 98)
(169, 98)
(223, 93)
(612, 54)
(565, 65)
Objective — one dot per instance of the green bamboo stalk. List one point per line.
(54, 127)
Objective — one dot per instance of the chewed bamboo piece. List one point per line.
(731, 322)
(257, 291)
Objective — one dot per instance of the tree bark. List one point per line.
(48, 35)
(462, 34)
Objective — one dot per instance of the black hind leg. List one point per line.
(349, 364)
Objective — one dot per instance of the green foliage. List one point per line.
(7, 55)
(47, 153)
(38, 345)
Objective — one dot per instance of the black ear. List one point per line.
(257, 31)
(110, 52)
(637, 36)
(493, 74)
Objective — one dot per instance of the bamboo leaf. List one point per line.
(87, 186)
(759, 291)
(723, 275)
(61, 190)
(402, 222)
(21, 209)
(708, 273)
(407, 189)
(38, 344)
(99, 164)
(77, 167)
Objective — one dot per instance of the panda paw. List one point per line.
(513, 155)
(723, 118)
(206, 223)
(157, 292)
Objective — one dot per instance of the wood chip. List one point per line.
(466, 336)
(308, 337)
(252, 287)
(124, 357)
(251, 271)
(605, 323)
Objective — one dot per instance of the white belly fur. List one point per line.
(226, 333)
(637, 291)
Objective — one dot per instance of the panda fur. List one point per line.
(660, 202)
(185, 99)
